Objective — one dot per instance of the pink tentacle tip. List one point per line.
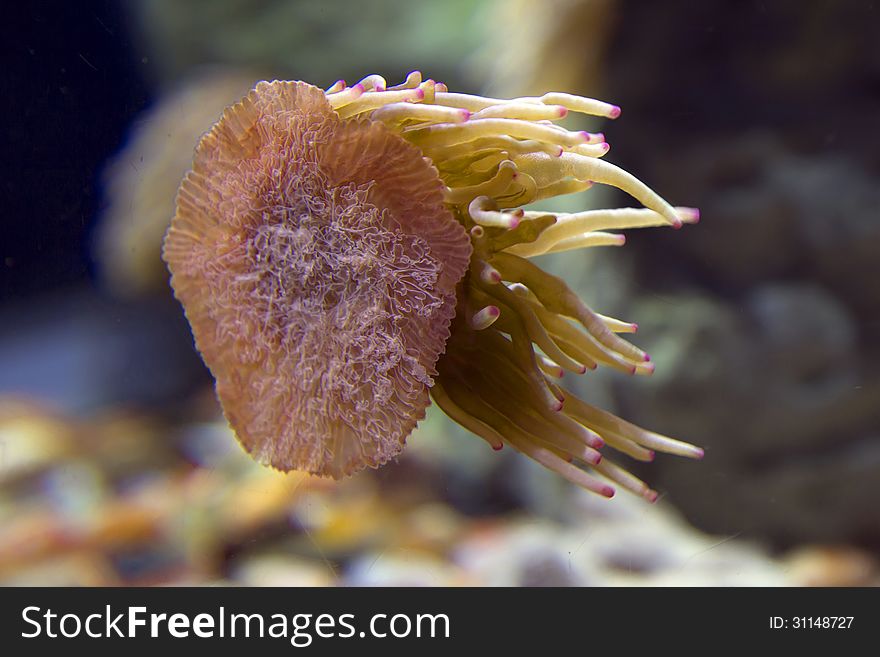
(465, 114)
(621, 240)
(562, 111)
(358, 87)
(560, 151)
(583, 369)
(677, 224)
(647, 358)
(606, 491)
(651, 495)
(558, 406)
(614, 112)
(635, 327)
(494, 311)
(513, 223)
(649, 368)
(594, 459)
(651, 456)
(699, 453)
(420, 94)
(605, 146)
(498, 447)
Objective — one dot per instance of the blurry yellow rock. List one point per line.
(73, 569)
(30, 438)
(352, 516)
(431, 527)
(265, 495)
(833, 566)
(120, 441)
(283, 570)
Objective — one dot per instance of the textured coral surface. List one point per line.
(317, 266)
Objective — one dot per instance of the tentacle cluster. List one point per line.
(517, 327)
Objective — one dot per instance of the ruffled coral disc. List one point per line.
(317, 265)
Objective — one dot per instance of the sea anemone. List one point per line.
(343, 254)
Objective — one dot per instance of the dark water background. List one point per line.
(72, 83)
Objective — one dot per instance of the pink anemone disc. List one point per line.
(317, 264)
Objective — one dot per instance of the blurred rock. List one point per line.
(137, 516)
(403, 568)
(141, 181)
(839, 232)
(775, 395)
(618, 542)
(770, 215)
(806, 341)
(692, 339)
(654, 546)
(31, 438)
(520, 552)
(832, 566)
(75, 569)
(764, 319)
(189, 507)
(282, 570)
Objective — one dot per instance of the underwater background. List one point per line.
(763, 320)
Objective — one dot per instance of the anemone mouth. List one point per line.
(317, 264)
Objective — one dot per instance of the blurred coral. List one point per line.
(134, 501)
(141, 180)
(91, 495)
(556, 44)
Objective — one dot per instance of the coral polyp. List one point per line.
(343, 254)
